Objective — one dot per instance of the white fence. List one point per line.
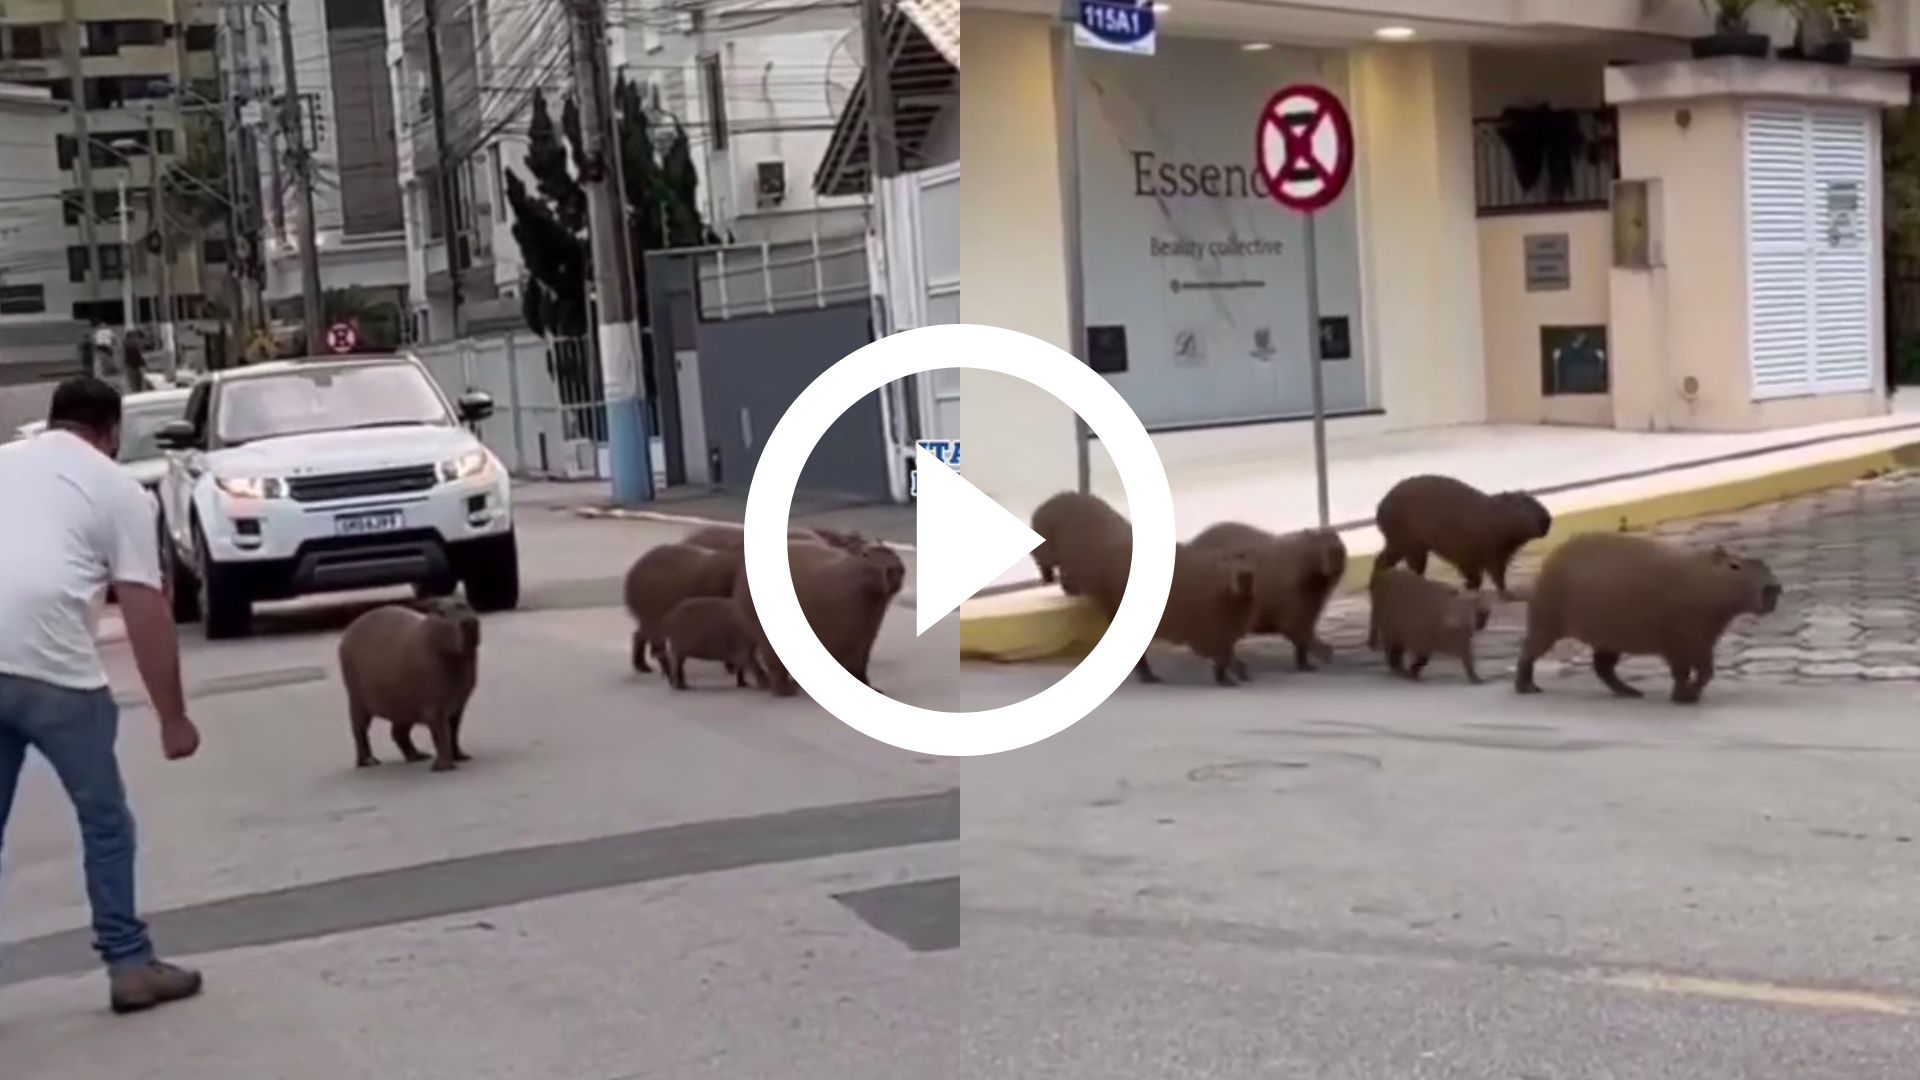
(549, 419)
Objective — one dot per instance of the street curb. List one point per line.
(1042, 623)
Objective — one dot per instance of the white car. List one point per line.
(142, 417)
(308, 476)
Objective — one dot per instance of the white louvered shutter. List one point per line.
(1809, 250)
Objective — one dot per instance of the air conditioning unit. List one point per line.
(770, 186)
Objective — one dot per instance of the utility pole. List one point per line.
(82, 145)
(883, 149)
(126, 267)
(157, 220)
(627, 428)
(448, 170)
(295, 132)
(883, 163)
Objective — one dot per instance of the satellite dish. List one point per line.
(844, 64)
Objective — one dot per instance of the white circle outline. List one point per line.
(934, 731)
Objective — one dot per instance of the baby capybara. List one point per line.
(1294, 576)
(411, 666)
(707, 628)
(1634, 596)
(1477, 533)
(1073, 528)
(1208, 607)
(1420, 618)
(666, 575)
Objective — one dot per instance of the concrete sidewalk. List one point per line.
(1590, 478)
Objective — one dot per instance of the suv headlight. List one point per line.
(252, 487)
(465, 467)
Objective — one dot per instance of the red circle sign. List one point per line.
(1303, 147)
(342, 337)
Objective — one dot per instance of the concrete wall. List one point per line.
(1420, 250)
(1512, 316)
(1019, 440)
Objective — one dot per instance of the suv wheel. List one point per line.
(227, 609)
(181, 581)
(492, 574)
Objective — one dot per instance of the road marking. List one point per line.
(1798, 997)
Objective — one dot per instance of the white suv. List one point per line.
(311, 476)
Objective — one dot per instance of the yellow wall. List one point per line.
(1419, 247)
(1019, 440)
(1513, 316)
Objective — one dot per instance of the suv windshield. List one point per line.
(326, 399)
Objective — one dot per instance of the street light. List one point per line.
(125, 148)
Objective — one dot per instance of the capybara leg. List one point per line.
(1045, 567)
(403, 739)
(1685, 691)
(677, 674)
(1373, 631)
(1531, 650)
(1240, 670)
(1419, 665)
(1388, 558)
(1702, 672)
(1499, 576)
(1302, 650)
(1466, 660)
(1396, 659)
(1146, 672)
(640, 651)
(1223, 674)
(1417, 561)
(739, 675)
(459, 718)
(441, 728)
(749, 663)
(361, 720)
(1606, 665)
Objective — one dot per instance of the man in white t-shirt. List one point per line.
(77, 523)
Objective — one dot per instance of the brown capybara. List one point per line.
(1634, 596)
(723, 537)
(1477, 533)
(1208, 607)
(844, 596)
(707, 628)
(1073, 528)
(411, 666)
(666, 575)
(1420, 618)
(1294, 575)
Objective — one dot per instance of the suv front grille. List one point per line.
(357, 485)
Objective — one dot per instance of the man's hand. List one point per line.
(179, 738)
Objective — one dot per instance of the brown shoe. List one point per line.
(137, 989)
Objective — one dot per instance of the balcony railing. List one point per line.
(1538, 158)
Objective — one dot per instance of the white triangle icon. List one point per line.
(963, 540)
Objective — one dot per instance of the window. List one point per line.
(23, 43)
(23, 299)
(113, 263)
(106, 37)
(1573, 360)
(202, 37)
(213, 252)
(106, 205)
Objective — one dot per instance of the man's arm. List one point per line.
(133, 564)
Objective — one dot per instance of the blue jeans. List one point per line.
(75, 731)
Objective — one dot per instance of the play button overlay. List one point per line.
(962, 541)
(965, 538)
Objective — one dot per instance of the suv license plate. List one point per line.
(364, 524)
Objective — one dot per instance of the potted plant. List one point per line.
(1825, 30)
(1733, 33)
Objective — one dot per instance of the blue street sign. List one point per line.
(1116, 26)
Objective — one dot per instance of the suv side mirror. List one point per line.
(176, 435)
(475, 406)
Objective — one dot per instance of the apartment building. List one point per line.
(142, 74)
(340, 63)
(38, 334)
(1558, 214)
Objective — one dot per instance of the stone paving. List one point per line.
(1848, 558)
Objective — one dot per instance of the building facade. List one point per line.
(1557, 215)
(39, 335)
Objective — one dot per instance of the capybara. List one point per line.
(1208, 607)
(1634, 596)
(668, 574)
(1477, 533)
(1419, 618)
(707, 628)
(1073, 528)
(411, 665)
(1294, 575)
(722, 537)
(844, 596)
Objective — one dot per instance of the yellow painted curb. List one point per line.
(1042, 623)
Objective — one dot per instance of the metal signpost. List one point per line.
(342, 337)
(1121, 26)
(1303, 146)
